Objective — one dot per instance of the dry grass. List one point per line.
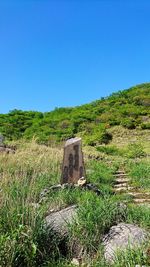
(25, 174)
(32, 168)
(30, 156)
(122, 137)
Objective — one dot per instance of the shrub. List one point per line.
(145, 125)
(128, 123)
(97, 135)
(109, 150)
(135, 151)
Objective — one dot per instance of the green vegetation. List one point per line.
(24, 240)
(109, 150)
(114, 137)
(140, 174)
(129, 108)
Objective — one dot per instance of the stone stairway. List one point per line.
(122, 186)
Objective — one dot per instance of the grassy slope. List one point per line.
(23, 240)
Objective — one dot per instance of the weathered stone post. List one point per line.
(2, 139)
(73, 165)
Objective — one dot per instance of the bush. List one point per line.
(109, 150)
(145, 126)
(135, 151)
(128, 123)
(97, 135)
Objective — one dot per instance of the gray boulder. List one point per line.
(6, 149)
(121, 237)
(59, 220)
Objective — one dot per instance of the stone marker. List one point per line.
(73, 165)
(1, 140)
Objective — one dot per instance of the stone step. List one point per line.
(122, 180)
(119, 171)
(130, 188)
(139, 194)
(121, 185)
(123, 189)
(141, 200)
(120, 175)
(120, 189)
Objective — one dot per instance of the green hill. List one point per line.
(128, 108)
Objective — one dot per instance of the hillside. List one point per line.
(116, 193)
(128, 108)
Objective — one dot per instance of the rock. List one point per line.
(120, 189)
(93, 188)
(4, 148)
(75, 262)
(56, 187)
(130, 188)
(121, 185)
(121, 237)
(44, 192)
(59, 220)
(120, 175)
(139, 194)
(73, 165)
(95, 157)
(120, 172)
(123, 189)
(81, 181)
(122, 180)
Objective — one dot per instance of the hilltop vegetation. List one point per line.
(129, 108)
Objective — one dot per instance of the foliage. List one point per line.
(135, 150)
(91, 121)
(109, 150)
(24, 239)
(95, 217)
(129, 123)
(140, 174)
(96, 135)
(145, 125)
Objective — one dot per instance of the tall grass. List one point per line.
(24, 240)
(140, 174)
(23, 176)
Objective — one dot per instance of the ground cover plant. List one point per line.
(23, 239)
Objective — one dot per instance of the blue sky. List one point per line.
(66, 53)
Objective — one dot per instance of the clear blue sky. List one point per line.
(66, 53)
